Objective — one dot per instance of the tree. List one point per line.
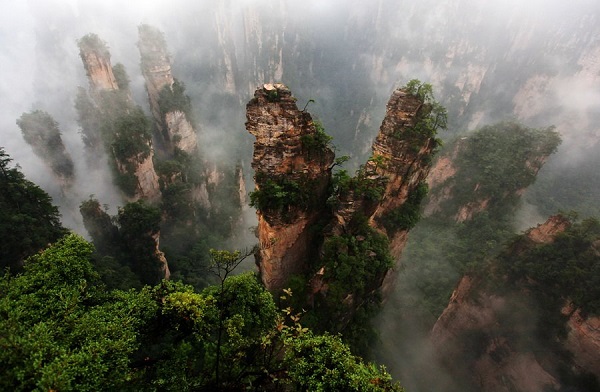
(61, 331)
(41, 132)
(28, 219)
(139, 224)
(324, 363)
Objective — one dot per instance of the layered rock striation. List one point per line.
(402, 157)
(307, 220)
(292, 174)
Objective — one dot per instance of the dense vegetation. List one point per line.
(568, 269)
(64, 331)
(112, 123)
(29, 220)
(42, 133)
(550, 280)
(282, 195)
(493, 166)
(173, 98)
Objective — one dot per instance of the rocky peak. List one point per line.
(282, 134)
(96, 60)
(167, 100)
(156, 65)
(401, 156)
(114, 119)
(292, 172)
(461, 187)
(544, 233)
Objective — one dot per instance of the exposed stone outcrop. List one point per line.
(147, 180)
(181, 132)
(546, 232)
(160, 256)
(280, 158)
(293, 172)
(462, 186)
(583, 339)
(175, 128)
(96, 60)
(493, 332)
(400, 158)
(41, 132)
(111, 117)
(443, 169)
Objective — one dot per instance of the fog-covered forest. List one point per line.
(413, 183)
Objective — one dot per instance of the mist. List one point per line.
(535, 61)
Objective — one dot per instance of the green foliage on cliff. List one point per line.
(493, 164)
(317, 142)
(121, 76)
(63, 331)
(92, 43)
(28, 219)
(408, 214)
(112, 123)
(132, 136)
(125, 254)
(364, 185)
(498, 160)
(282, 195)
(566, 269)
(41, 131)
(354, 261)
(173, 98)
(432, 116)
(352, 265)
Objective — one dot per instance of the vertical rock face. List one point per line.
(165, 273)
(291, 181)
(181, 132)
(96, 60)
(156, 65)
(401, 156)
(147, 186)
(293, 172)
(175, 127)
(487, 329)
(41, 132)
(113, 119)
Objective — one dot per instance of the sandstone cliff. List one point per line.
(402, 157)
(167, 100)
(503, 339)
(96, 60)
(113, 119)
(283, 164)
(342, 235)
